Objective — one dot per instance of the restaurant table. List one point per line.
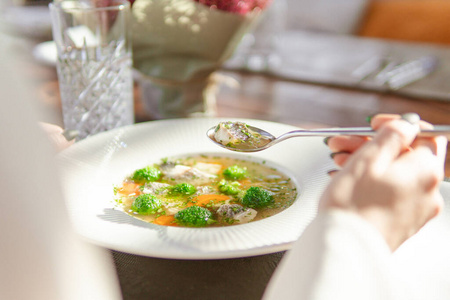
(293, 102)
(258, 96)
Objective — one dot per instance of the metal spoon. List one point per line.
(269, 140)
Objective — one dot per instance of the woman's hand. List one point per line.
(55, 135)
(391, 180)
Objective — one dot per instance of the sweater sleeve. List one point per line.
(339, 256)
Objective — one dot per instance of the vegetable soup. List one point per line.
(205, 191)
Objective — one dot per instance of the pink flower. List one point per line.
(235, 6)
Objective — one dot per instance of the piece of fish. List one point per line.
(213, 169)
(236, 212)
(231, 133)
(172, 208)
(155, 188)
(205, 190)
(181, 172)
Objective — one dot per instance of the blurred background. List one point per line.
(405, 20)
(337, 43)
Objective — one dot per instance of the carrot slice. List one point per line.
(203, 200)
(165, 220)
(245, 181)
(130, 188)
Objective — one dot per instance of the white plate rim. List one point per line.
(188, 243)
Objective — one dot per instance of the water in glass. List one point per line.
(96, 88)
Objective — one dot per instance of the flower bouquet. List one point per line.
(179, 44)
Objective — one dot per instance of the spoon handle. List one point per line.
(443, 130)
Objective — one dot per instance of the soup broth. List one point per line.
(205, 191)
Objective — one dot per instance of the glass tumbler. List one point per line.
(94, 64)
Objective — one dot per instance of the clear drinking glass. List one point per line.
(94, 64)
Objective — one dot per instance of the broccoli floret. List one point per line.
(235, 173)
(146, 174)
(194, 216)
(146, 204)
(257, 197)
(229, 188)
(182, 189)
